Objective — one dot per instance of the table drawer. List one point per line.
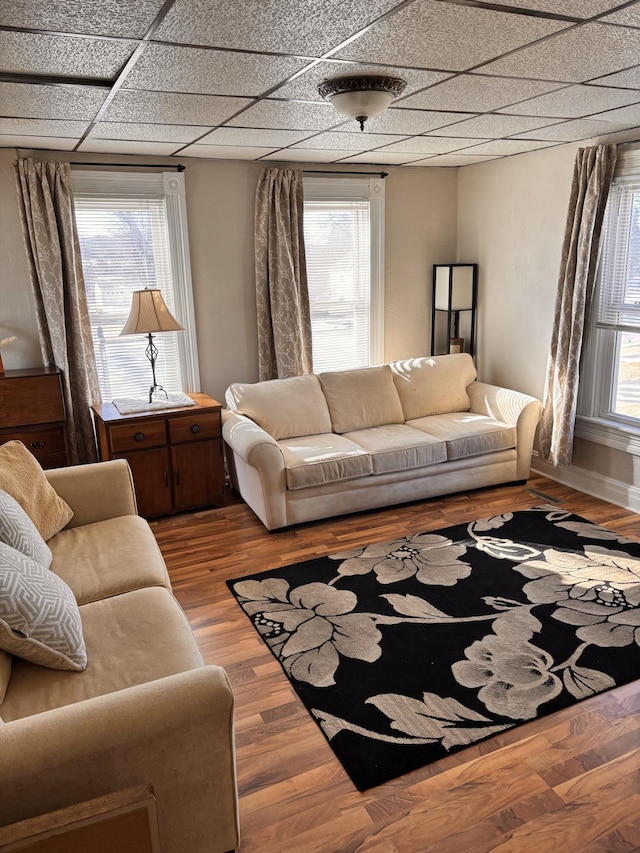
(195, 428)
(41, 442)
(137, 436)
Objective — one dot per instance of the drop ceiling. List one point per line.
(238, 80)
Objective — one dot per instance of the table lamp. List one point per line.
(149, 314)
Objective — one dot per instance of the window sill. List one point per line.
(612, 434)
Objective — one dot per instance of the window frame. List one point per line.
(169, 185)
(371, 189)
(595, 420)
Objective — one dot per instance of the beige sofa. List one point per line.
(317, 446)
(146, 710)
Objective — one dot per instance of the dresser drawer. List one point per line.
(195, 428)
(28, 400)
(137, 436)
(41, 441)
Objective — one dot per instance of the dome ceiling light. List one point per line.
(361, 96)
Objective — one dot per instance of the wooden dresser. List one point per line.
(175, 454)
(32, 411)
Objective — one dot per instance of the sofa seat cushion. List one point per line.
(468, 434)
(318, 459)
(108, 558)
(359, 399)
(285, 408)
(434, 386)
(131, 639)
(396, 447)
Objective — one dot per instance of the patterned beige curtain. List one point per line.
(56, 275)
(284, 322)
(592, 177)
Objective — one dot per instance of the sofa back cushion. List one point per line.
(360, 399)
(285, 408)
(434, 385)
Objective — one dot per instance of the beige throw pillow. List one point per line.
(22, 477)
(435, 385)
(359, 399)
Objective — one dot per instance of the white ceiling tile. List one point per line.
(51, 143)
(30, 53)
(476, 93)
(43, 127)
(508, 146)
(432, 34)
(63, 102)
(490, 126)
(248, 136)
(120, 146)
(581, 54)
(171, 107)
(347, 141)
(429, 145)
(629, 116)
(575, 8)
(381, 158)
(412, 121)
(574, 102)
(305, 27)
(303, 156)
(225, 152)
(213, 72)
(305, 87)
(629, 16)
(293, 115)
(454, 160)
(629, 79)
(571, 131)
(98, 17)
(146, 132)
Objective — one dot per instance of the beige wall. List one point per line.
(420, 231)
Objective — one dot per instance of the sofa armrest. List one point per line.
(511, 407)
(96, 491)
(175, 734)
(257, 468)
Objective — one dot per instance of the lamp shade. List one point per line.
(149, 313)
(361, 96)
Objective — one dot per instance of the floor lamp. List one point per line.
(149, 314)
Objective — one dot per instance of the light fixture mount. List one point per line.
(361, 96)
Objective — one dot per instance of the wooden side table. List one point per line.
(32, 411)
(175, 455)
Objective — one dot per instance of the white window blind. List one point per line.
(130, 239)
(619, 283)
(343, 221)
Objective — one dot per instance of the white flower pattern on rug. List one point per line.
(509, 671)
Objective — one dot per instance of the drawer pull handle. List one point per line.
(139, 436)
(195, 428)
(38, 445)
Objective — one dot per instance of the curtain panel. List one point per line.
(55, 270)
(592, 176)
(282, 297)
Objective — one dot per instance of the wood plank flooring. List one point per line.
(569, 782)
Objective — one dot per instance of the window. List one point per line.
(343, 233)
(132, 231)
(610, 389)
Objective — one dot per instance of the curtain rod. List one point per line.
(179, 166)
(329, 172)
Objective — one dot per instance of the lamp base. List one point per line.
(157, 389)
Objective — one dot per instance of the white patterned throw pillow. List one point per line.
(18, 531)
(39, 616)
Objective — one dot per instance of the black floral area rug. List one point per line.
(405, 651)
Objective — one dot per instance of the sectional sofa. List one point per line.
(316, 446)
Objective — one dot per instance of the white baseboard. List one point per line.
(621, 494)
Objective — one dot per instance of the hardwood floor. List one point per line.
(569, 782)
